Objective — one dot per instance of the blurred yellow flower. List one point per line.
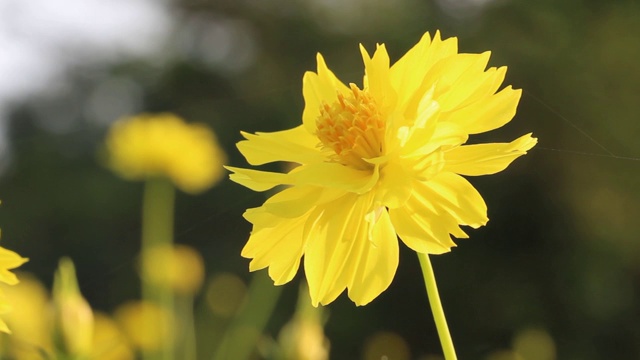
(30, 321)
(110, 343)
(147, 326)
(378, 162)
(163, 145)
(226, 294)
(179, 267)
(8, 260)
(34, 327)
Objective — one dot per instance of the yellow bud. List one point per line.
(303, 337)
(73, 314)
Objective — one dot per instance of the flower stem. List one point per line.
(157, 231)
(243, 334)
(436, 307)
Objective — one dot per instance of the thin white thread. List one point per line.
(608, 154)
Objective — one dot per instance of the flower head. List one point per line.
(163, 145)
(178, 267)
(378, 162)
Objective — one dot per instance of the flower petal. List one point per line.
(451, 194)
(319, 88)
(279, 247)
(4, 328)
(9, 260)
(377, 79)
(295, 201)
(472, 85)
(394, 186)
(408, 73)
(435, 210)
(420, 227)
(336, 176)
(295, 145)
(329, 257)
(486, 159)
(446, 135)
(447, 71)
(257, 180)
(487, 114)
(330, 175)
(377, 262)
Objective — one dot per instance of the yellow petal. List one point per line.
(472, 85)
(330, 175)
(377, 262)
(328, 259)
(446, 135)
(279, 247)
(413, 135)
(298, 200)
(447, 71)
(295, 145)
(377, 79)
(486, 159)
(421, 228)
(8, 277)
(336, 176)
(4, 328)
(424, 167)
(408, 73)
(256, 180)
(435, 210)
(319, 88)
(10, 259)
(451, 194)
(487, 114)
(395, 185)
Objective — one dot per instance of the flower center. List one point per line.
(352, 127)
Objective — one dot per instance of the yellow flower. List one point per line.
(146, 325)
(30, 320)
(8, 260)
(378, 162)
(109, 342)
(163, 145)
(179, 267)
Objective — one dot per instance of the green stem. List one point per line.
(436, 307)
(157, 231)
(187, 339)
(240, 339)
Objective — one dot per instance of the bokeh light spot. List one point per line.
(226, 293)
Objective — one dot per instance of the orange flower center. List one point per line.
(352, 127)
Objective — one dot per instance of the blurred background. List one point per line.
(554, 275)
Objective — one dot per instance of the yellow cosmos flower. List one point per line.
(378, 162)
(8, 260)
(163, 145)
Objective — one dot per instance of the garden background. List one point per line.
(559, 260)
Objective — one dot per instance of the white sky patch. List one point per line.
(41, 39)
